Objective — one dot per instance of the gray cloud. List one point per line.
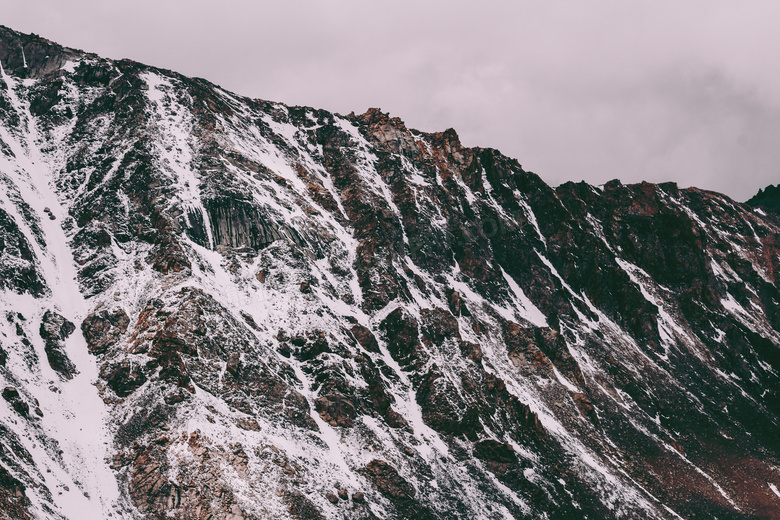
(639, 90)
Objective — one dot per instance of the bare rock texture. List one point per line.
(291, 313)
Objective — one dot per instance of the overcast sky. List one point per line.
(637, 90)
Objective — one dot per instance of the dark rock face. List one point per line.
(301, 508)
(387, 480)
(768, 199)
(235, 223)
(18, 265)
(365, 338)
(403, 338)
(168, 257)
(16, 401)
(499, 457)
(54, 330)
(13, 501)
(123, 378)
(288, 307)
(187, 346)
(30, 56)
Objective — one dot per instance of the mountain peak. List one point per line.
(767, 199)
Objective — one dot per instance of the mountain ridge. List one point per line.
(288, 313)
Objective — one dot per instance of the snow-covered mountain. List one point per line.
(216, 307)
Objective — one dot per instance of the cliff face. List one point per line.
(218, 307)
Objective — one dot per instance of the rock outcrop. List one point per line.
(54, 330)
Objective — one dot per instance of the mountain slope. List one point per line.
(289, 313)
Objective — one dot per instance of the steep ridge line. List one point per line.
(290, 313)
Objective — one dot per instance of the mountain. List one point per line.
(768, 199)
(216, 307)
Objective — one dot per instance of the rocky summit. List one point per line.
(222, 308)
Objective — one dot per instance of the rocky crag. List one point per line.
(216, 307)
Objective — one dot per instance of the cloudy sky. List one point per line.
(595, 90)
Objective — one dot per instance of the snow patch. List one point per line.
(528, 311)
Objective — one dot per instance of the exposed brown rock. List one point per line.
(387, 480)
(583, 404)
(248, 424)
(365, 338)
(233, 363)
(14, 503)
(336, 408)
(301, 508)
(103, 329)
(456, 304)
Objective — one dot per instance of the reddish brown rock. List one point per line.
(14, 503)
(336, 408)
(365, 338)
(387, 480)
(103, 329)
